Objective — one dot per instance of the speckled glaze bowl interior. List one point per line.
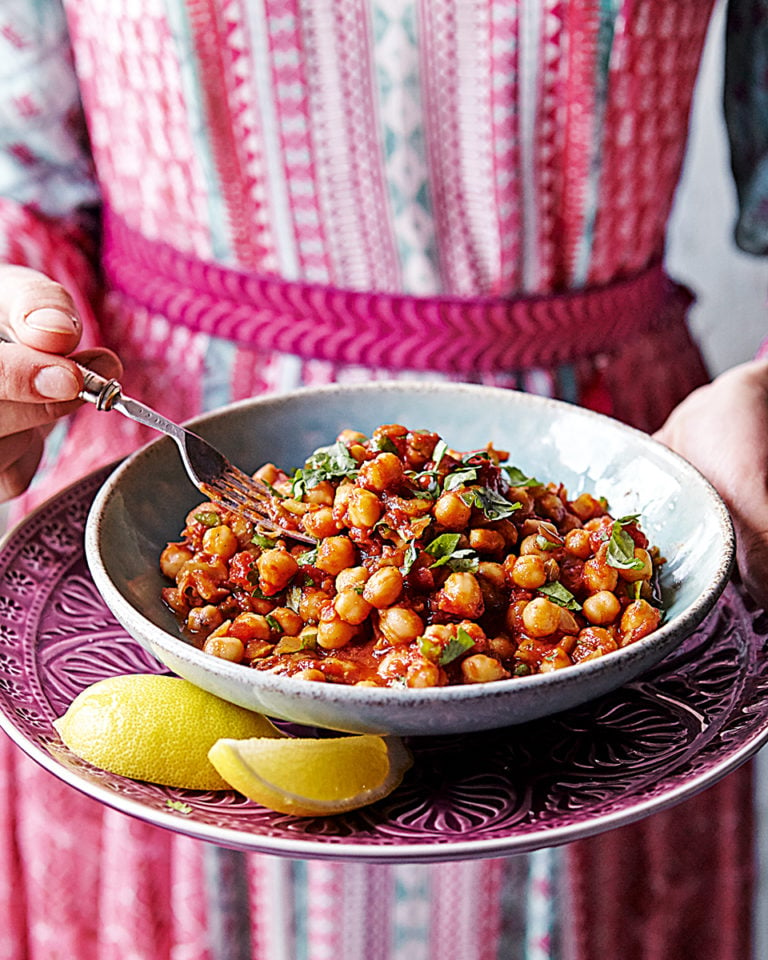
(143, 503)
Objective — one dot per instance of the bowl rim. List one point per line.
(682, 623)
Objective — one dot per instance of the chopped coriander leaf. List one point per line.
(444, 548)
(384, 444)
(430, 648)
(208, 518)
(460, 478)
(629, 518)
(456, 646)
(441, 448)
(544, 544)
(326, 463)
(621, 550)
(517, 478)
(262, 541)
(293, 598)
(493, 505)
(308, 558)
(411, 553)
(560, 595)
(444, 545)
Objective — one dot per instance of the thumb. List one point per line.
(37, 311)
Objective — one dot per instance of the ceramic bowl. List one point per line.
(143, 503)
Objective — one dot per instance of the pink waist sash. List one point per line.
(444, 334)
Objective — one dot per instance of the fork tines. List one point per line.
(251, 499)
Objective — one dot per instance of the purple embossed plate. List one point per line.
(656, 741)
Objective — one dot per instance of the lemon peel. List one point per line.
(313, 777)
(157, 728)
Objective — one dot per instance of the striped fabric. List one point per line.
(467, 148)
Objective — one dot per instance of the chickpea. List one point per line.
(530, 546)
(514, 617)
(400, 624)
(340, 499)
(204, 619)
(220, 541)
(276, 570)
(349, 436)
(541, 617)
(550, 505)
(529, 571)
(643, 573)
(351, 607)
(382, 473)
(333, 634)
(602, 607)
(320, 523)
(173, 558)
(225, 648)
(395, 664)
(461, 596)
(554, 660)
(363, 508)
(501, 646)
(321, 494)
(598, 574)
(311, 603)
(492, 573)
(334, 554)
(250, 626)
(451, 512)
(350, 578)
(422, 673)
(480, 668)
(312, 674)
(593, 642)
(205, 578)
(290, 622)
(269, 473)
(586, 507)
(176, 600)
(383, 587)
(638, 620)
(485, 540)
(577, 543)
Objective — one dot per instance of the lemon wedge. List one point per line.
(313, 777)
(157, 728)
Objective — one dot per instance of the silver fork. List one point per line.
(208, 468)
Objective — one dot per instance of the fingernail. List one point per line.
(57, 383)
(52, 320)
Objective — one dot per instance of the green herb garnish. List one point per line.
(493, 505)
(621, 549)
(560, 595)
(326, 463)
(208, 518)
(456, 646)
(517, 478)
(444, 549)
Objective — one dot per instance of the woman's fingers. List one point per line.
(20, 456)
(36, 388)
(37, 311)
(723, 430)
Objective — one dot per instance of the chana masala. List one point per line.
(431, 567)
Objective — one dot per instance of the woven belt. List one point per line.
(453, 335)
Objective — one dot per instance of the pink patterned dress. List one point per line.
(361, 152)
